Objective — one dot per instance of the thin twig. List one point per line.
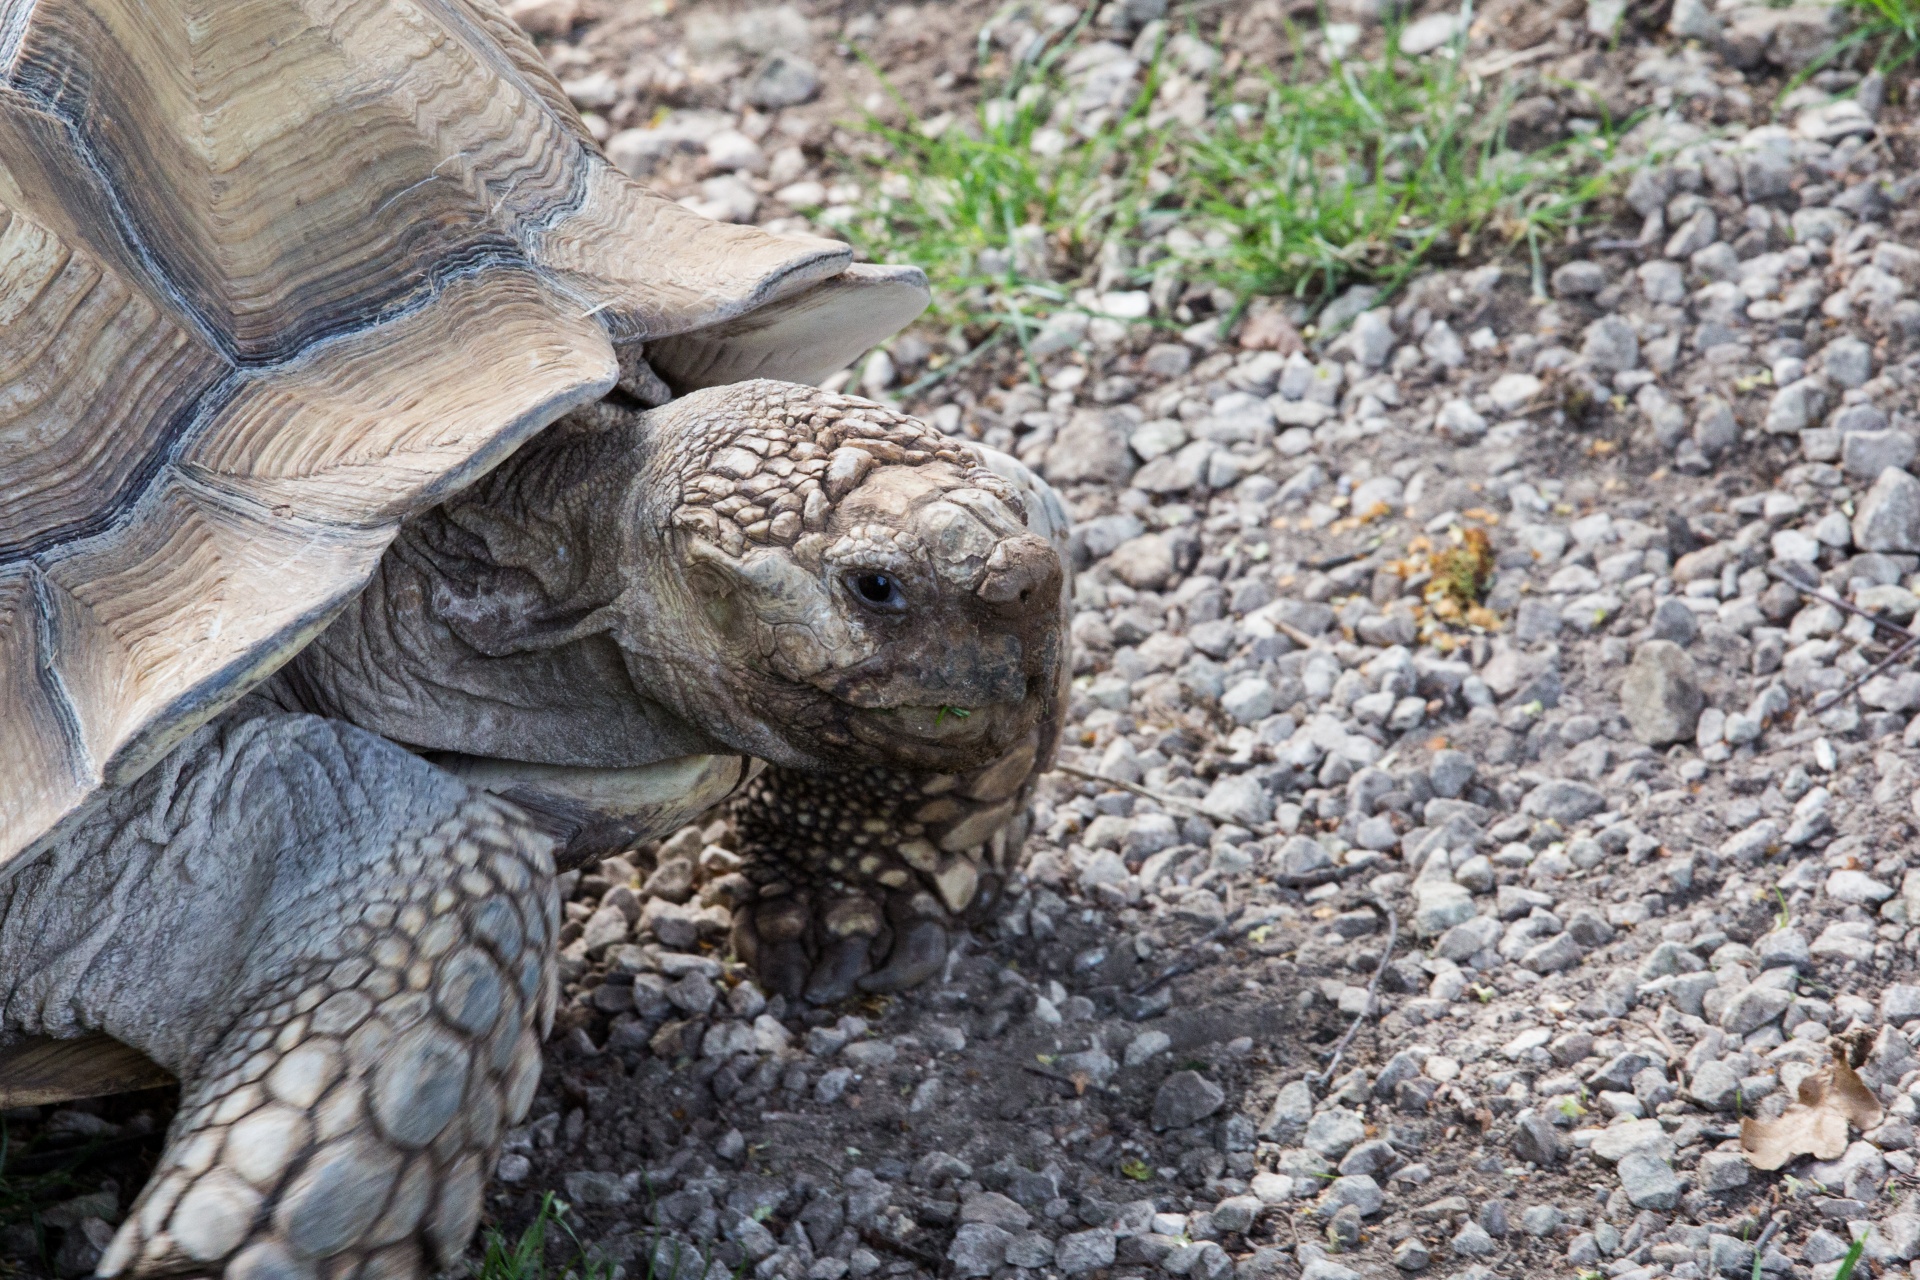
(1167, 975)
(1156, 797)
(925, 1257)
(1673, 1054)
(951, 367)
(1760, 1245)
(1296, 635)
(1908, 639)
(1845, 606)
(1078, 1086)
(1148, 793)
(1192, 964)
(1325, 875)
(1858, 681)
(1373, 985)
(1306, 880)
(1195, 959)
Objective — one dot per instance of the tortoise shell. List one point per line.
(276, 275)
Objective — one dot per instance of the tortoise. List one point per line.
(399, 506)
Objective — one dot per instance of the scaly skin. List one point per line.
(861, 877)
(344, 955)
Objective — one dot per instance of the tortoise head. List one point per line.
(853, 586)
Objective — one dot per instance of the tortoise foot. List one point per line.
(863, 879)
(825, 946)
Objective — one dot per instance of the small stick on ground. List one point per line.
(1182, 967)
(1158, 797)
(1845, 606)
(1373, 985)
(1192, 964)
(901, 1248)
(1908, 639)
(1296, 635)
(1077, 1087)
(1305, 880)
(1860, 680)
(1760, 1245)
(1325, 875)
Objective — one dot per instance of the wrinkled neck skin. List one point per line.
(485, 630)
(630, 588)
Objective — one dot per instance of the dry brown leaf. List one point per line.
(1816, 1125)
(1851, 1094)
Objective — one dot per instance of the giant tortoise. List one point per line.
(396, 504)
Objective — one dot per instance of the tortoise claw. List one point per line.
(803, 948)
(783, 969)
(844, 963)
(919, 951)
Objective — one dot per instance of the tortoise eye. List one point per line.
(877, 591)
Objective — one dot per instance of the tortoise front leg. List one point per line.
(341, 952)
(861, 877)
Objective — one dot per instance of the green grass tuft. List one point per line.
(526, 1258)
(1370, 170)
(1890, 28)
(1342, 172)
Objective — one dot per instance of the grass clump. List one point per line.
(1334, 172)
(526, 1257)
(1370, 170)
(1890, 28)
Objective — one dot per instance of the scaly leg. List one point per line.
(862, 876)
(343, 954)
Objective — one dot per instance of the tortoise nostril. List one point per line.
(1018, 568)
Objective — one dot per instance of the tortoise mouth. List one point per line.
(944, 736)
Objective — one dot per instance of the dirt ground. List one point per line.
(1125, 1068)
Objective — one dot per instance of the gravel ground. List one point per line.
(1598, 862)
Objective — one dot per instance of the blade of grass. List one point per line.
(1852, 1260)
